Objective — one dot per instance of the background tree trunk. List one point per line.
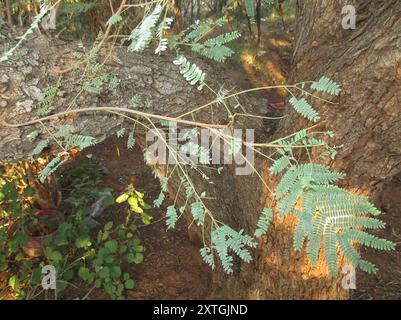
(1, 10)
(178, 17)
(367, 63)
(9, 15)
(258, 21)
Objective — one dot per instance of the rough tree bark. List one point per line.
(365, 61)
(258, 21)
(1, 10)
(178, 17)
(37, 64)
(9, 15)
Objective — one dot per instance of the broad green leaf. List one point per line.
(112, 245)
(129, 284)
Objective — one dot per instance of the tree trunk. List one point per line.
(192, 12)
(1, 10)
(20, 14)
(178, 17)
(198, 10)
(9, 15)
(243, 11)
(366, 62)
(258, 20)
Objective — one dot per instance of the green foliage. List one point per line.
(73, 7)
(224, 239)
(120, 133)
(94, 80)
(39, 148)
(336, 215)
(289, 143)
(105, 269)
(142, 35)
(330, 216)
(73, 18)
(159, 200)
(163, 42)
(198, 213)
(191, 72)
(95, 85)
(200, 30)
(234, 146)
(172, 217)
(79, 141)
(280, 164)
(32, 136)
(87, 173)
(268, 3)
(114, 19)
(131, 140)
(65, 138)
(35, 23)
(264, 222)
(215, 48)
(326, 85)
(305, 109)
(136, 202)
(135, 101)
(45, 107)
(51, 167)
(207, 256)
(250, 10)
(305, 175)
(81, 249)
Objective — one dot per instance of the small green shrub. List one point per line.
(83, 252)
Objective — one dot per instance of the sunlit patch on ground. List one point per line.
(268, 66)
(280, 43)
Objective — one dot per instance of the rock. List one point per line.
(3, 103)
(18, 77)
(34, 82)
(34, 59)
(33, 92)
(26, 70)
(27, 105)
(4, 78)
(261, 53)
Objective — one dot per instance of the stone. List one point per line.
(26, 70)
(3, 88)
(27, 105)
(4, 78)
(34, 93)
